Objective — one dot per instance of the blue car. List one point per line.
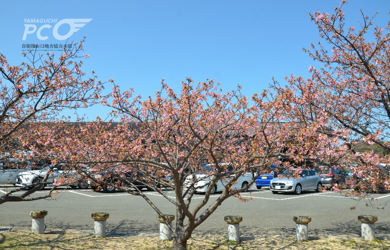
(264, 180)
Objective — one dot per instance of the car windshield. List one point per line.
(58, 167)
(304, 173)
(292, 172)
(334, 170)
(206, 168)
(203, 169)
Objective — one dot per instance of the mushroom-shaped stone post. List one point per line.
(38, 221)
(302, 227)
(99, 227)
(165, 232)
(368, 221)
(233, 231)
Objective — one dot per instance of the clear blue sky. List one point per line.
(138, 43)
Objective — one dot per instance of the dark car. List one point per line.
(332, 176)
(112, 179)
(367, 184)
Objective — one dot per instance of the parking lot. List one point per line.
(330, 212)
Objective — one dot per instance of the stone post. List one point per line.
(368, 221)
(99, 226)
(38, 221)
(302, 227)
(165, 232)
(233, 231)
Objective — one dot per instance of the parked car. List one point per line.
(333, 176)
(308, 180)
(27, 178)
(203, 179)
(264, 180)
(110, 180)
(9, 170)
(374, 181)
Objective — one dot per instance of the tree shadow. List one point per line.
(134, 227)
(124, 227)
(347, 229)
(2, 238)
(37, 242)
(352, 228)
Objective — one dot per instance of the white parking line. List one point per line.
(74, 192)
(3, 191)
(338, 196)
(254, 193)
(173, 197)
(157, 194)
(383, 197)
(111, 195)
(97, 196)
(284, 199)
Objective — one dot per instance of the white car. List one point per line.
(203, 180)
(9, 171)
(27, 178)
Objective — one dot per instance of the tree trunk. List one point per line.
(179, 239)
(179, 244)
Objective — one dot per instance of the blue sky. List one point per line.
(138, 43)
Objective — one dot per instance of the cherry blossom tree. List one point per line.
(349, 94)
(166, 140)
(32, 97)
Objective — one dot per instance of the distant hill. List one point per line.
(365, 147)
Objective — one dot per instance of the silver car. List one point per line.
(308, 180)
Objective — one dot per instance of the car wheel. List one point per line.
(95, 187)
(319, 186)
(83, 184)
(298, 189)
(356, 188)
(38, 180)
(258, 187)
(245, 185)
(108, 188)
(214, 189)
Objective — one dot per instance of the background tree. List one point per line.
(350, 93)
(32, 96)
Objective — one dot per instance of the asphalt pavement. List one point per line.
(263, 212)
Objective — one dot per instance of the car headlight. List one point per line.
(290, 182)
(24, 177)
(201, 184)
